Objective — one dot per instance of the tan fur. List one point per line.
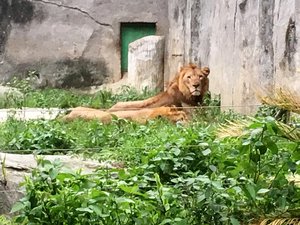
(186, 89)
(141, 116)
(88, 114)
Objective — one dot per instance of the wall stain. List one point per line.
(266, 24)
(78, 73)
(290, 47)
(4, 24)
(176, 14)
(15, 11)
(21, 11)
(242, 6)
(68, 73)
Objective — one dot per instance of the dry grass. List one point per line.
(239, 128)
(289, 132)
(284, 221)
(281, 98)
(233, 129)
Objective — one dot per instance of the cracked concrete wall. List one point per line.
(71, 43)
(247, 44)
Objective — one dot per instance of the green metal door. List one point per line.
(131, 32)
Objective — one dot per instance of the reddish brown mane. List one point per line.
(177, 94)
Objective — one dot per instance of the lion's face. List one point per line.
(194, 80)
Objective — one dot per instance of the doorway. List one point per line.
(129, 33)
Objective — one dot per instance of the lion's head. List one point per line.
(193, 81)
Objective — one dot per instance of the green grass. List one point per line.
(120, 140)
(174, 173)
(47, 98)
(6, 221)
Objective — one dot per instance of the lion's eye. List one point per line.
(188, 77)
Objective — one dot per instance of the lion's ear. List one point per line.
(206, 71)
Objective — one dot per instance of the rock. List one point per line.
(17, 166)
(30, 113)
(146, 63)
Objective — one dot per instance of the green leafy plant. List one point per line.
(50, 97)
(6, 221)
(175, 174)
(37, 135)
(181, 175)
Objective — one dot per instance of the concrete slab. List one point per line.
(30, 113)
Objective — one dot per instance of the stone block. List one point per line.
(146, 63)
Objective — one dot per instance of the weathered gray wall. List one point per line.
(247, 44)
(65, 39)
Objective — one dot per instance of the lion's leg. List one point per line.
(141, 115)
(170, 113)
(88, 114)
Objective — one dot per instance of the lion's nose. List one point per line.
(196, 85)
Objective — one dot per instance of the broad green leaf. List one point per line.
(282, 202)
(217, 184)
(98, 210)
(189, 158)
(263, 191)
(37, 210)
(165, 221)
(128, 189)
(203, 179)
(97, 193)
(251, 191)
(190, 181)
(53, 173)
(88, 210)
(256, 132)
(254, 157)
(124, 200)
(206, 152)
(17, 207)
(176, 151)
(200, 197)
(246, 142)
(234, 221)
(203, 144)
(213, 168)
(271, 145)
(292, 166)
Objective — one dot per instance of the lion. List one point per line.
(187, 89)
(141, 116)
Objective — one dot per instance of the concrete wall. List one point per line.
(71, 43)
(247, 44)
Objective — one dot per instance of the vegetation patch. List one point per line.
(221, 168)
(190, 176)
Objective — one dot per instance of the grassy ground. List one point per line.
(173, 174)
